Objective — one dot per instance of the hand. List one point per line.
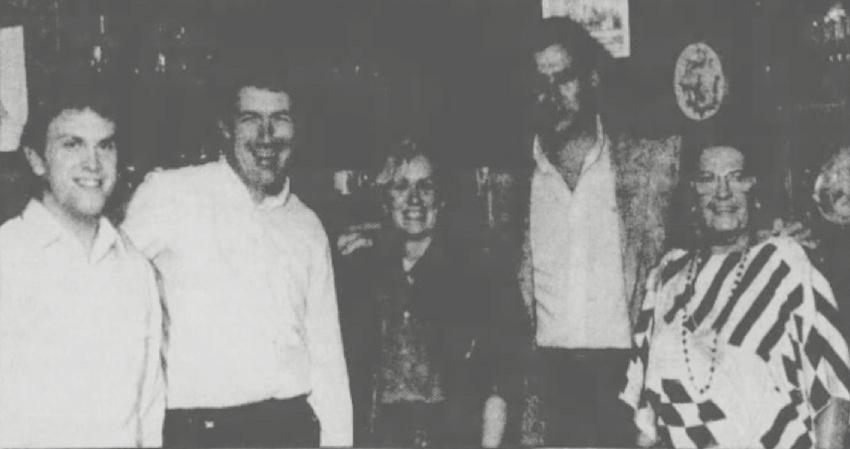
(356, 237)
(646, 441)
(495, 419)
(795, 230)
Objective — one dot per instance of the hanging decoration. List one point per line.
(832, 189)
(699, 81)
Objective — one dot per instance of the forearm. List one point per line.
(831, 425)
(331, 396)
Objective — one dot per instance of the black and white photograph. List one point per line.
(425, 224)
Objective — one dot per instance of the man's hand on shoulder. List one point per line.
(796, 230)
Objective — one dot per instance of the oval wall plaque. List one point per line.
(699, 81)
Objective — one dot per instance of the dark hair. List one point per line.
(587, 53)
(261, 68)
(744, 144)
(66, 97)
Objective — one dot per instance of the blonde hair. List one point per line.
(400, 155)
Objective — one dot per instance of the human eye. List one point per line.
(564, 77)
(736, 176)
(282, 117)
(72, 143)
(705, 178)
(247, 118)
(399, 186)
(107, 145)
(427, 186)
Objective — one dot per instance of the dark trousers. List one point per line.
(271, 423)
(408, 425)
(579, 397)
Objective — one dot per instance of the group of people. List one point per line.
(219, 313)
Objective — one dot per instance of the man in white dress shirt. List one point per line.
(80, 316)
(255, 355)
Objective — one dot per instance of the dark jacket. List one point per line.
(461, 294)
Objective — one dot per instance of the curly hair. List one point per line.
(76, 96)
(587, 53)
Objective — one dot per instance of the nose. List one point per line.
(266, 131)
(92, 159)
(415, 198)
(723, 190)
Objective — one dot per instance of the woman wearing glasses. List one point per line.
(738, 342)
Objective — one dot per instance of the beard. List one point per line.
(555, 124)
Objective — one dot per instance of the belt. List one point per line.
(256, 411)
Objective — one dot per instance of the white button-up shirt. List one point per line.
(576, 254)
(80, 338)
(250, 294)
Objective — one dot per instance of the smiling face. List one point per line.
(413, 204)
(564, 106)
(78, 165)
(262, 135)
(723, 189)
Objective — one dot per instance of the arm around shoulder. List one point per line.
(150, 214)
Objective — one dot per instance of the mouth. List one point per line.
(414, 215)
(266, 157)
(724, 209)
(89, 183)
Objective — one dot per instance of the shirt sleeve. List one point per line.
(149, 216)
(635, 394)
(152, 395)
(330, 396)
(826, 362)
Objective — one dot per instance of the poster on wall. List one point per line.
(13, 87)
(607, 20)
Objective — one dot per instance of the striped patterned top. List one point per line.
(746, 359)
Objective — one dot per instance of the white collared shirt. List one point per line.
(80, 338)
(250, 295)
(576, 254)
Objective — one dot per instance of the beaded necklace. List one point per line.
(687, 318)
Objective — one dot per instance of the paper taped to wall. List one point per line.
(606, 20)
(13, 87)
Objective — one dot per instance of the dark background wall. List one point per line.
(449, 72)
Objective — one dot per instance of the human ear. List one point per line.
(225, 129)
(36, 161)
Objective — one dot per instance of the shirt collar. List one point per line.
(545, 166)
(237, 185)
(46, 230)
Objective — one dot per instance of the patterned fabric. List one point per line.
(779, 356)
(409, 372)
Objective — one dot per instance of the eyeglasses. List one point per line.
(735, 181)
